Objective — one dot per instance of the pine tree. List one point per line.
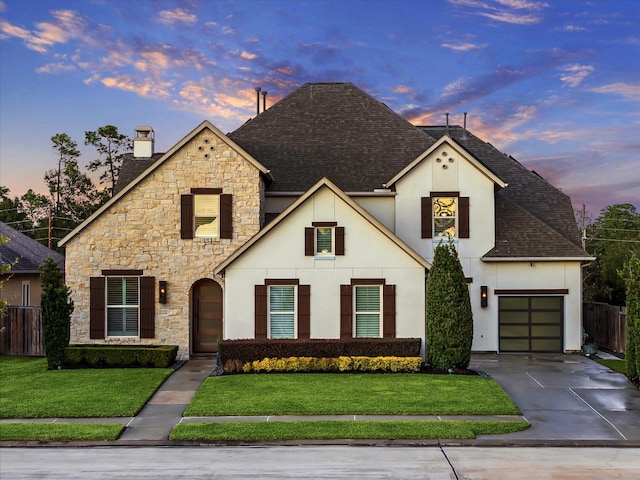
(449, 315)
(56, 313)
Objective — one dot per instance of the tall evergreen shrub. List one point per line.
(631, 274)
(449, 315)
(56, 313)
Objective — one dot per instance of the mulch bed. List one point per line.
(442, 371)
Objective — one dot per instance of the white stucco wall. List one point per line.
(368, 254)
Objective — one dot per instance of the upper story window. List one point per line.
(445, 215)
(324, 239)
(206, 215)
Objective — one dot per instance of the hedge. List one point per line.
(249, 350)
(120, 356)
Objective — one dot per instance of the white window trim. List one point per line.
(325, 255)
(380, 312)
(295, 309)
(438, 238)
(216, 221)
(107, 306)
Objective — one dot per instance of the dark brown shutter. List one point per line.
(346, 311)
(147, 307)
(186, 216)
(463, 221)
(339, 240)
(389, 311)
(304, 311)
(261, 311)
(97, 310)
(309, 241)
(226, 216)
(426, 217)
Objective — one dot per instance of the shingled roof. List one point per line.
(533, 218)
(132, 167)
(332, 130)
(24, 254)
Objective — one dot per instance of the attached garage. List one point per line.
(531, 323)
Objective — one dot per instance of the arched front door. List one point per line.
(207, 316)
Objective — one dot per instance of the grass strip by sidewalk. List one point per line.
(350, 394)
(60, 431)
(29, 390)
(333, 430)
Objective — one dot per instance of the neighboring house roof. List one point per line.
(24, 254)
(334, 130)
(324, 183)
(136, 173)
(540, 204)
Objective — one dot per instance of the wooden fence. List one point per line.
(605, 325)
(22, 334)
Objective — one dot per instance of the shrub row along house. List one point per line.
(318, 219)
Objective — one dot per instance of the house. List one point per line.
(318, 218)
(21, 285)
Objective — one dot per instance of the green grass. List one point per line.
(352, 394)
(251, 431)
(60, 431)
(619, 366)
(29, 390)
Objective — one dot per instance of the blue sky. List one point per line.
(555, 83)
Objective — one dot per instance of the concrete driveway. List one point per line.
(566, 397)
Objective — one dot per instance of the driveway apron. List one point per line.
(565, 397)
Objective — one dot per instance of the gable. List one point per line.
(324, 202)
(331, 130)
(203, 144)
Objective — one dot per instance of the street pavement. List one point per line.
(320, 462)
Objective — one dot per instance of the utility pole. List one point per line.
(584, 227)
(50, 221)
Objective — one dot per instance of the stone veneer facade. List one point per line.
(141, 231)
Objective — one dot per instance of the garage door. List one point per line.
(531, 324)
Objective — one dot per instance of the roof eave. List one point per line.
(537, 259)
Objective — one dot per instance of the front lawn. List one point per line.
(29, 390)
(60, 431)
(350, 394)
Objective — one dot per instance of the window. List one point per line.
(282, 311)
(445, 215)
(206, 215)
(122, 306)
(367, 310)
(324, 239)
(26, 294)
(122, 303)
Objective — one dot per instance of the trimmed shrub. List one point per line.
(449, 315)
(631, 274)
(56, 313)
(120, 356)
(340, 364)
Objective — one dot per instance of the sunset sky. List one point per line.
(555, 83)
